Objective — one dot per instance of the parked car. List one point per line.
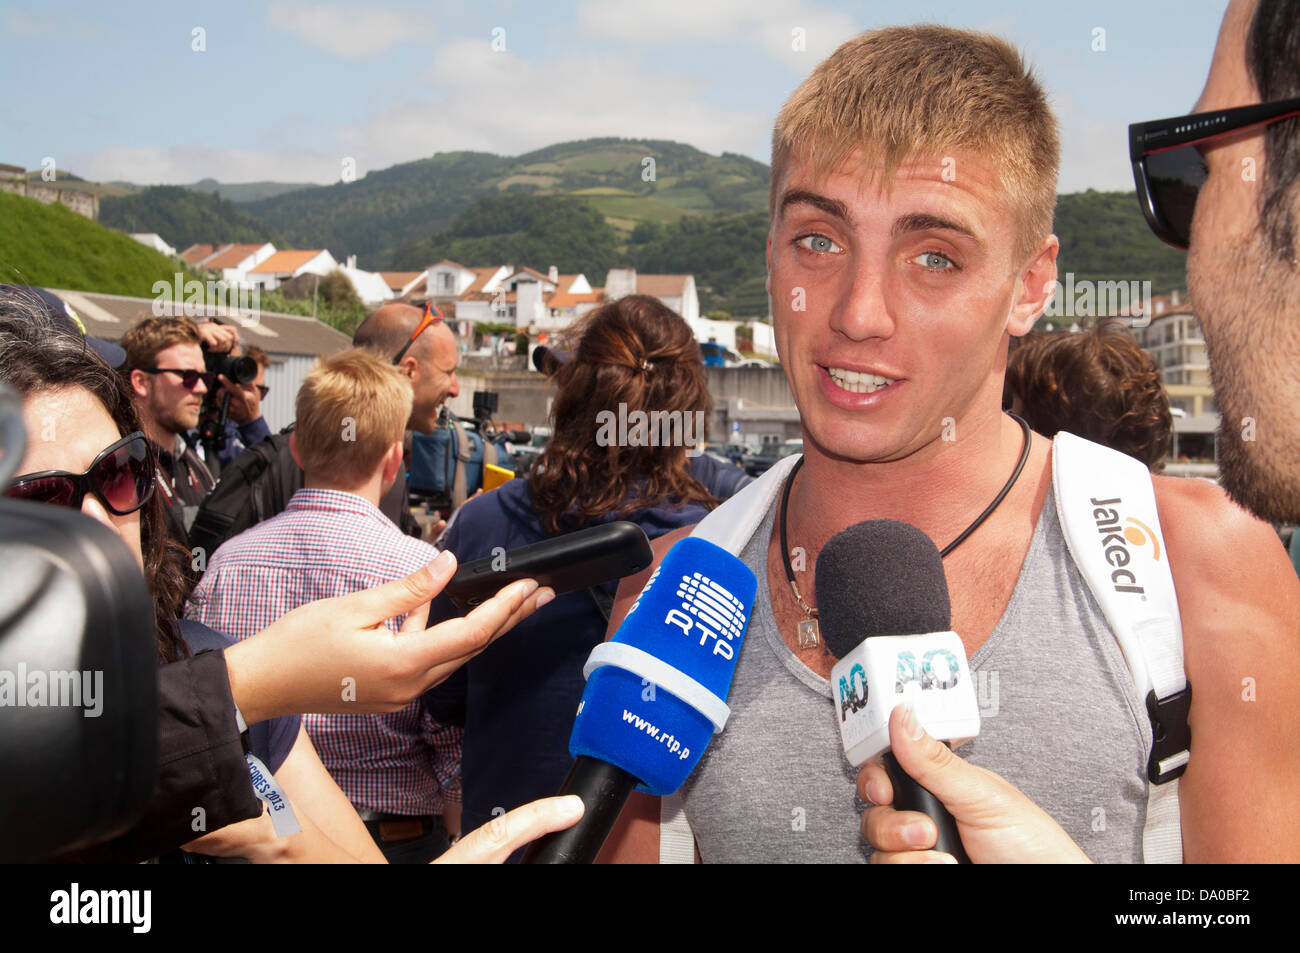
(760, 462)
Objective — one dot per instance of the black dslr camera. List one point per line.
(216, 403)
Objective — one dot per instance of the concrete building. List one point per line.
(294, 342)
(1174, 339)
(75, 195)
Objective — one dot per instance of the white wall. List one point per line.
(724, 332)
(284, 377)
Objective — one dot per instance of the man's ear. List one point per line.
(392, 463)
(409, 367)
(293, 449)
(1034, 289)
(139, 383)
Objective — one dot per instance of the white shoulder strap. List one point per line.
(730, 526)
(734, 523)
(1107, 508)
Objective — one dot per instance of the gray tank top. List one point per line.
(1060, 719)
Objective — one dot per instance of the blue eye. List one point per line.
(934, 261)
(818, 243)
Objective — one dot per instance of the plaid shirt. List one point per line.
(330, 543)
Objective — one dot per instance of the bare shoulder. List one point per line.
(1193, 511)
(1239, 599)
(1229, 568)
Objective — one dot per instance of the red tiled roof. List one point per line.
(196, 253)
(232, 256)
(285, 262)
(531, 271)
(397, 280)
(563, 299)
(481, 276)
(661, 286)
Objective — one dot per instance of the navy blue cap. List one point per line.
(548, 359)
(62, 314)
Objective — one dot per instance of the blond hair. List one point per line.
(905, 93)
(351, 409)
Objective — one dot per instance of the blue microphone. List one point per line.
(656, 692)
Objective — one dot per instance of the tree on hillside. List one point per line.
(536, 230)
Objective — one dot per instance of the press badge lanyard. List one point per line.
(266, 787)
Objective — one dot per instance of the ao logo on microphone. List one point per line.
(715, 610)
(853, 699)
(939, 670)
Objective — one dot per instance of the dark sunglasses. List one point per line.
(263, 390)
(1170, 170)
(188, 377)
(121, 478)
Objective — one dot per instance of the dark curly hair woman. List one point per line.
(1098, 384)
(517, 699)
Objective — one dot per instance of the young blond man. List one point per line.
(401, 771)
(913, 186)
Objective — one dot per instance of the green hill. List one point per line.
(184, 217)
(1105, 238)
(239, 192)
(52, 246)
(541, 230)
(394, 208)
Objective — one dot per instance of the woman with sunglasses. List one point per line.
(85, 451)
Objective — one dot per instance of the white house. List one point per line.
(370, 286)
(234, 262)
(287, 264)
(573, 298)
(154, 241)
(449, 280)
(406, 284)
(675, 291)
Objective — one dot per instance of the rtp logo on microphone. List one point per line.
(713, 608)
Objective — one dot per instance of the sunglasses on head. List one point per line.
(189, 377)
(121, 478)
(1169, 168)
(431, 315)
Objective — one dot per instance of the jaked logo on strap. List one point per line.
(1116, 538)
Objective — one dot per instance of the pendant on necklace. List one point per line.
(809, 634)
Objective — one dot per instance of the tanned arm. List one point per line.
(1239, 599)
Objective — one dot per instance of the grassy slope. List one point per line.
(53, 246)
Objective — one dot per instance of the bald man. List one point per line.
(429, 363)
(266, 477)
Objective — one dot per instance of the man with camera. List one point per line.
(175, 369)
(168, 379)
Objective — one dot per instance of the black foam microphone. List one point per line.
(882, 602)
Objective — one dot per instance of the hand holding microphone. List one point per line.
(996, 822)
(656, 692)
(883, 604)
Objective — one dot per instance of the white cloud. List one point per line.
(499, 103)
(350, 34)
(767, 24)
(477, 100)
(182, 164)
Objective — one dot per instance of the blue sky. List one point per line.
(289, 90)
